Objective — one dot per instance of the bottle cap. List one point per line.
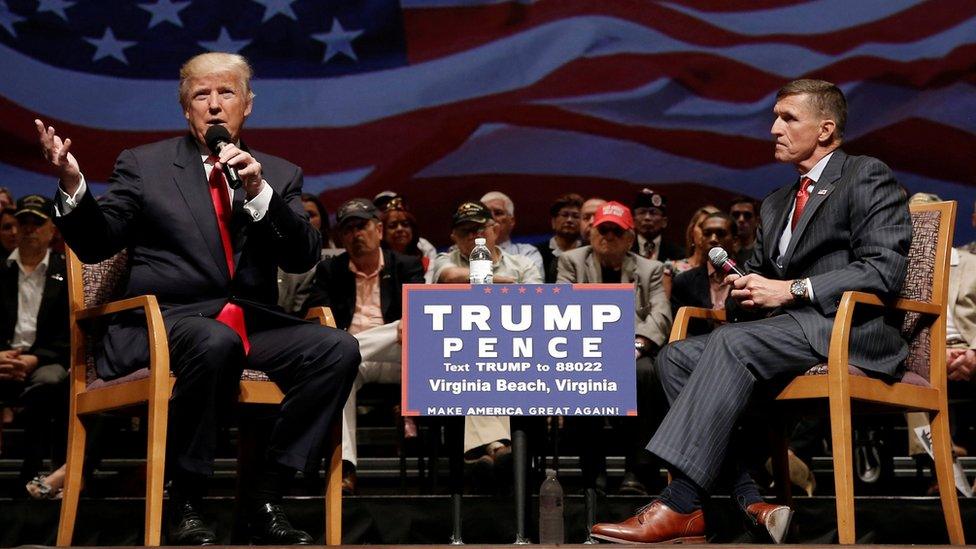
(479, 241)
(550, 472)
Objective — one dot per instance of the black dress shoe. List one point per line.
(186, 527)
(270, 526)
(631, 485)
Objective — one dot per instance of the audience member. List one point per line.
(400, 234)
(318, 217)
(382, 202)
(704, 285)
(608, 259)
(746, 216)
(650, 219)
(6, 199)
(362, 286)
(34, 335)
(486, 438)
(503, 211)
(8, 232)
(564, 215)
(586, 216)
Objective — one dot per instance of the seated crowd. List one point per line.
(375, 247)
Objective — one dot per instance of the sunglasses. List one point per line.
(744, 215)
(607, 228)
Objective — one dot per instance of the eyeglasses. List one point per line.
(607, 229)
(469, 230)
(398, 224)
(743, 214)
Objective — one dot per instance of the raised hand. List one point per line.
(58, 155)
(247, 167)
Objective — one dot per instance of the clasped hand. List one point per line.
(753, 291)
(15, 365)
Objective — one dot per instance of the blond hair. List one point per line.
(215, 63)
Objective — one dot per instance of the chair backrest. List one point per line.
(90, 285)
(927, 281)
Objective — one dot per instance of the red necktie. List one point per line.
(232, 315)
(801, 201)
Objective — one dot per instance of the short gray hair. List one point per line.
(496, 195)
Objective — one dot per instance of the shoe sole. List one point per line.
(778, 524)
(675, 541)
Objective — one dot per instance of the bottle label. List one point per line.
(481, 271)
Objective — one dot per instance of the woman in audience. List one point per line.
(400, 234)
(319, 218)
(696, 252)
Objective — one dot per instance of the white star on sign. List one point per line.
(338, 40)
(109, 46)
(7, 19)
(225, 43)
(274, 7)
(165, 10)
(55, 6)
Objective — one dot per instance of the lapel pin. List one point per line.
(58, 277)
(822, 191)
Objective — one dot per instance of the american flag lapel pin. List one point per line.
(822, 191)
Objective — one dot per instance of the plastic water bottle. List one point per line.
(551, 510)
(480, 263)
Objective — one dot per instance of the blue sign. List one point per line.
(519, 350)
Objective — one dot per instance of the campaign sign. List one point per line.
(518, 350)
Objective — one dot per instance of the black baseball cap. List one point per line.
(357, 208)
(647, 198)
(37, 205)
(471, 212)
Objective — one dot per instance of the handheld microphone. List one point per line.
(720, 260)
(217, 137)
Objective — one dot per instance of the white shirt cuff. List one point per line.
(809, 289)
(258, 206)
(66, 202)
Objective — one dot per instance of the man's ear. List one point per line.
(827, 129)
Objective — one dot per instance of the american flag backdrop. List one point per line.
(443, 100)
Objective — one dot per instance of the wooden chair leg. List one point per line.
(942, 448)
(155, 467)
(333, 488)
(74, 465)
(779, 455)
(842, 434)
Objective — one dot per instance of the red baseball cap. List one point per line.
(616, 213)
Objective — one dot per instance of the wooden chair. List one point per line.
(91, 290)
(922, 301)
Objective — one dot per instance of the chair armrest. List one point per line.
(146, 302)
(323, 315)
(679, 330)
(908, 305)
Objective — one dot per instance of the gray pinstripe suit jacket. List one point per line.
(854, 234)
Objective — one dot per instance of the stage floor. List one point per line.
(425, 520)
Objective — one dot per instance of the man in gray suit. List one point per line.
(842, 225)
(608, 259)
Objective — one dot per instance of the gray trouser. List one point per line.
(709, 380)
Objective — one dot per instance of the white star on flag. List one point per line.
(109, 46)
(7, 19)
(225, 43)
(338, 40)
(55, 6)
(274, 7)
(165, 10)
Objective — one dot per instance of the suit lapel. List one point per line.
(386, 283)
(821, 192)
(627, 269)
(592, 268)
(53, 286)
(781, 205)
(191, 180)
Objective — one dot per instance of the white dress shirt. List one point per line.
(784, 240)
(30, 290)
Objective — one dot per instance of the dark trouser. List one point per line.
(44, 398)
(709, 380)
(313, 365)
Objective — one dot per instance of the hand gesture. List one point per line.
(753, 291)
(58, 155)
(246, 165)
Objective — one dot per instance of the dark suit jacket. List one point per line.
(158, 206)
(52, 344)
(690, 289)
(550, 263)
(335, 285)
(854, 234)
(669, 250)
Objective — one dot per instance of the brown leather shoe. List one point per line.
(655, 523)
(774, 518)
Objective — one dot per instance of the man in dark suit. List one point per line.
(363, 287)
(34, 333)
(843, 225)
(210, 253)
(650, 220)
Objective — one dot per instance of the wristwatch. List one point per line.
(640, 346)
(798, 289)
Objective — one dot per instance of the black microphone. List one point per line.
(217, 138)
(720, 260)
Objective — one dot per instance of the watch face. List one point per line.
(798, 288)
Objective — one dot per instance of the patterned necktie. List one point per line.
(802, 194)
(649, 249)
(232, 315)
